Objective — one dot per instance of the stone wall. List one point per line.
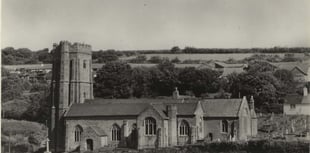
(151, 141)
(105, 124)
(185, 139)
(214, 126)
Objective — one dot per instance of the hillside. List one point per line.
(23, 136)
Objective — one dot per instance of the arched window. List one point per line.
(150, 126)
(224, 126)
(116, 133)
(184, 128)
(78, 133)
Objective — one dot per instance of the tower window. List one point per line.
(116, 133)
(150, 126)
(78, 133)
(84, 94)
(84, 64)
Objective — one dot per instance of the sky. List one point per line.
(156, 24)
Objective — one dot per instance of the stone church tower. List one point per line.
(72, 82)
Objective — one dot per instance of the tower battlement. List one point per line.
(67, 46)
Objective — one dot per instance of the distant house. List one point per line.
(297, 104)
(300, 70)
(227, 69)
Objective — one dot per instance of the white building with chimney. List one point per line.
(297, 104)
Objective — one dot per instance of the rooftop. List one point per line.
(133, 107)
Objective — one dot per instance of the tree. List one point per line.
(113, 81)
(287, 81)
(140, 82)
(175, 60)
(175, 49)
(38, 109)
(44, 56)
(263, 86)
(163, 79)
(198, 81)
(12, 88)
(260, 66)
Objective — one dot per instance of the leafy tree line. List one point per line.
(119, 80)
(262, 80)
(11, 56)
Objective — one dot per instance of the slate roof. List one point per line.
(112, 109)
(221, 107)
(138, 100)
(297, 99)
(133, 107)
(128, 107)
(301, 66)
(186, 108)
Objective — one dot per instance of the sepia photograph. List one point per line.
(155, 76)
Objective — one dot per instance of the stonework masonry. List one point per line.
(71, 83)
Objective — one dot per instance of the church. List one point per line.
(80, 122)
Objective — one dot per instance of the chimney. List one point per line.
(305, 91)
(176, 94)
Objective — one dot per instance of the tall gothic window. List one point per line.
(116, 133)
(150, 126)
(184, 128)
(224, 126)
(78, 133)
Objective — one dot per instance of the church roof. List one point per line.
(133, 100)
(112, 109)
(221, 107)
(133, 107)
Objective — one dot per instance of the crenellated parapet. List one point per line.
(81, 47)
(66, 46)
